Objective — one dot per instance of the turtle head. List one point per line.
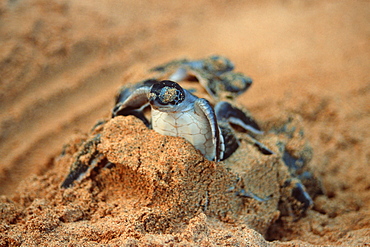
(166, 96)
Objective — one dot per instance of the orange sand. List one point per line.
(61, 63)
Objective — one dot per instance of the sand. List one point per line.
(61, 64)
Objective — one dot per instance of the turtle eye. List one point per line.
(167, 93)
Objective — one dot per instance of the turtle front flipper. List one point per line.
(202, 106)
(228, 114)
(133, 99)
(86, 159)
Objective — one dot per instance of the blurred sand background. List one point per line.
(61, 63)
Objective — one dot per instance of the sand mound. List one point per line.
(62, 62)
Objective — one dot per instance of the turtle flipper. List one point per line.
(228, 114)
(133, 99)
(202, 106)
(85, 160)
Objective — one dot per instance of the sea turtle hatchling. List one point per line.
(163, 104)
(175, 111)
